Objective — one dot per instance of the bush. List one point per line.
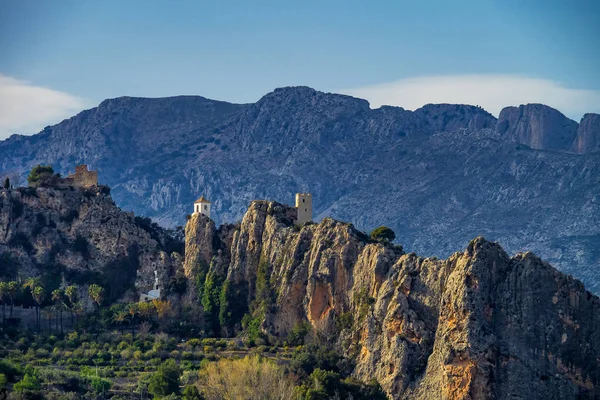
(297, 335)
(235, 379)
(383, 233)
(100, 385)
(165, 381)
(29, 383)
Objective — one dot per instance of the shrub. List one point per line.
(234, 379)
(297, 335)
(165, 381)
(29, 383)
(100, 385)
(191, 393)
(383, 233)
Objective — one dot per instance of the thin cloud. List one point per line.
(492, 92)
(26, 108)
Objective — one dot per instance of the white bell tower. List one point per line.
(202, 206)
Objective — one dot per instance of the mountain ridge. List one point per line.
(437, 175)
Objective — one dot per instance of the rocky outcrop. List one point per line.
(479, 325)
(452, 117)
(74, 235)
(438, 176)
(537, 126)
(588, 134)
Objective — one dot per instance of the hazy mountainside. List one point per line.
(479, 325)
(80, 236)
(438, 176)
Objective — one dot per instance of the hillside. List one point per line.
(438, 176)
(81, 237)
(479, 325)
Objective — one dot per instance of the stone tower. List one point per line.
(304, 208)
(202, 206)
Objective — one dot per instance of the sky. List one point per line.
(60, 57)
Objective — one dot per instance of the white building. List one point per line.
(202, 206)
(153, 294)
(303, 208)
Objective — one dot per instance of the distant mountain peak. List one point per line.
(537, 126)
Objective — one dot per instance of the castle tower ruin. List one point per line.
(304, 208)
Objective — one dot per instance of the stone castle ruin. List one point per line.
(83, 177)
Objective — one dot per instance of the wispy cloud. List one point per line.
(26, 108)
(492, 92)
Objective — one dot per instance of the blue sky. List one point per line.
(58, 57)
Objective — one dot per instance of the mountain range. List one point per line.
(438, 176)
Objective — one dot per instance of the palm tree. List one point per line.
(37, 292)
(3, 297)
(77, 309)
(48, 313)
(71, 293)
(133, 309)
(13, 292)
(58, 299)
(38, 296)
(120, 318)
(96, 293)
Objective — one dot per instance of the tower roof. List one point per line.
(202, 199)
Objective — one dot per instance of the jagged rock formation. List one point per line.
(438, 176)
(588, 134)
(479, 325)
(77, 235)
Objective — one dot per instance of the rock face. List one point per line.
(588, 134)
(438, 176)
(77, 235)
(479, 325)
(537, 126)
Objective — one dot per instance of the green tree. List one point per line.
(34, 284)
(3, 298)
(40, 173)
(120, 318)
(165, 380)
(99, 385)
(191, 393)
(210, 302)
(7, 183)
(96, 293)
(29, 383)
(58, 297)
(13, 292)
(133, 309)
(383, 233)
(71, 293)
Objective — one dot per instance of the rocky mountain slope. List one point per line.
(479, 325)
(79, 236)
(438, 176)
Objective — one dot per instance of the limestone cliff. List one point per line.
(73, 235)
(537, 126)
(479, 325)
(588, 134)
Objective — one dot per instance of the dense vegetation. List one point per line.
(141, 349)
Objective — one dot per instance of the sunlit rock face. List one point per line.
(438, 176)
(478, 325)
